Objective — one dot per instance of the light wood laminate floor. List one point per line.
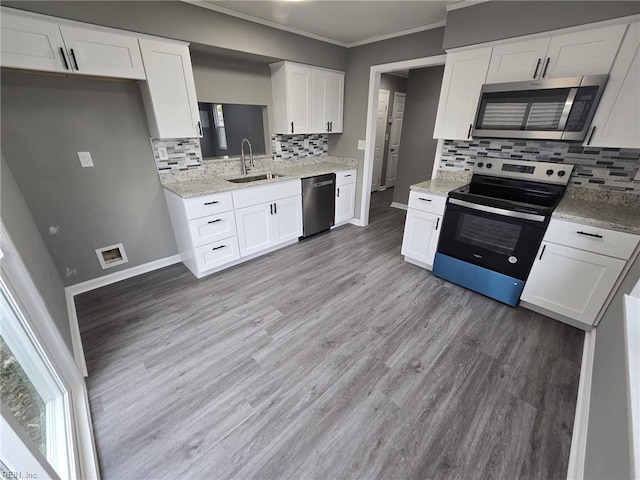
(332, 358)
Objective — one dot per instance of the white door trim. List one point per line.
(370, 137)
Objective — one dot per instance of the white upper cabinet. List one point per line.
(517, 61)
(103, 53)
(36, 42)
(464, 74)
(617, 119)
(306, 99)
(169, 94)
(590, 52)
(328, 99)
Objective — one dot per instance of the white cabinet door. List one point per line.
(583, 53)
(421, 233)
(298, 92)
(464, 74)
(287, 219)
(255, 228)
(345, 202)
(571, 282)
(31, 43)
(328, 97)
(169, 93)
(513, 62)
(216, 254)
(617, 119)
(104, 53)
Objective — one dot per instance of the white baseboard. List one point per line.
(578, 452)
(401, 206)
(83, 287)
(356, 222)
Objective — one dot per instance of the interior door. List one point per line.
(381, 122)
(394, 138)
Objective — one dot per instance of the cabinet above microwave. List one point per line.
(554, 109)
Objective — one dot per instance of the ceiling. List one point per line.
(346, 23)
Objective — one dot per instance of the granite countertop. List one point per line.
(214, 184)
(437, 186)
(623, 217)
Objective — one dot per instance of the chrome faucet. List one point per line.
(243, 163)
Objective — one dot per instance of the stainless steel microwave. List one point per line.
(553, 109)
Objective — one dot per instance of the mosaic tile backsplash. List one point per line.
(288, 147)
(603, 168)
(182, 154)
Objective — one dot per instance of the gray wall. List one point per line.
(45, 122)
(186, 22)
(392, 83)
(418, 148)
(608, 449)
(423, 44)
(27, 239)
(497, 20)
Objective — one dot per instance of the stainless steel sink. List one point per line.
(255, 178)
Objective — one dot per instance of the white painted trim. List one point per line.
(262, 21)
(400, 206)
(115, 277)
(370, 136)
(401, 33)
(578, 452)
(84, 459)
(356, 222)
(83, 287)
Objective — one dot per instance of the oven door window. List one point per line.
(488, 233)
(503, 244)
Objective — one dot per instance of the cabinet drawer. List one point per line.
(247, 197)
(348, 176)
(214, 227)
(592, 239)
(208, 205)
(427, 202)
(216, 254)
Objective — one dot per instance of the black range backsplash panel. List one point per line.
(603, 168)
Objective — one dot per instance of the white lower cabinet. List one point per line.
(422, 228)
(276, 220)
(576, 272)
(345, 196)
(209, 257)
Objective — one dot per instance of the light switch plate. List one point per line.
(85, 159)
(361, 144)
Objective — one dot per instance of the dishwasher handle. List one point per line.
(321, 184)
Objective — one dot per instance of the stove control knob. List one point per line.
(489, 165)
(561, 173)
(549, 172)
(480, 164)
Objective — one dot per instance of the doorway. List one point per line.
(372, 123)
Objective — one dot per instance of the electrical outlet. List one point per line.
(85, 159)
(162, 153)
(361, 144)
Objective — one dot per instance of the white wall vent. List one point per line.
(111, 256)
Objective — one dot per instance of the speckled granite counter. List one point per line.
(214, 184)
(623, 217)
(437, 186)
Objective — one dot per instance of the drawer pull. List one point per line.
(215, 221)
(211, 203)
(595, 235)
(347, 176)
(218, 248)
(424, 199)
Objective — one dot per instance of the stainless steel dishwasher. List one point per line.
(318, 203)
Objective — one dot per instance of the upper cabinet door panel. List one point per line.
(464, 74)
(97, 52)
(328, 97)
(584, 53)
(617, 119)
(32, 44)
(517, 61)
(169, 92)
(299, 98)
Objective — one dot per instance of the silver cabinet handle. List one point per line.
(497, 211)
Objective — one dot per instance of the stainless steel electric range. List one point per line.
(492, 227)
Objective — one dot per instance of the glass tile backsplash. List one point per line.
(603, 168)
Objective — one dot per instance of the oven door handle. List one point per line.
(498, 211)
